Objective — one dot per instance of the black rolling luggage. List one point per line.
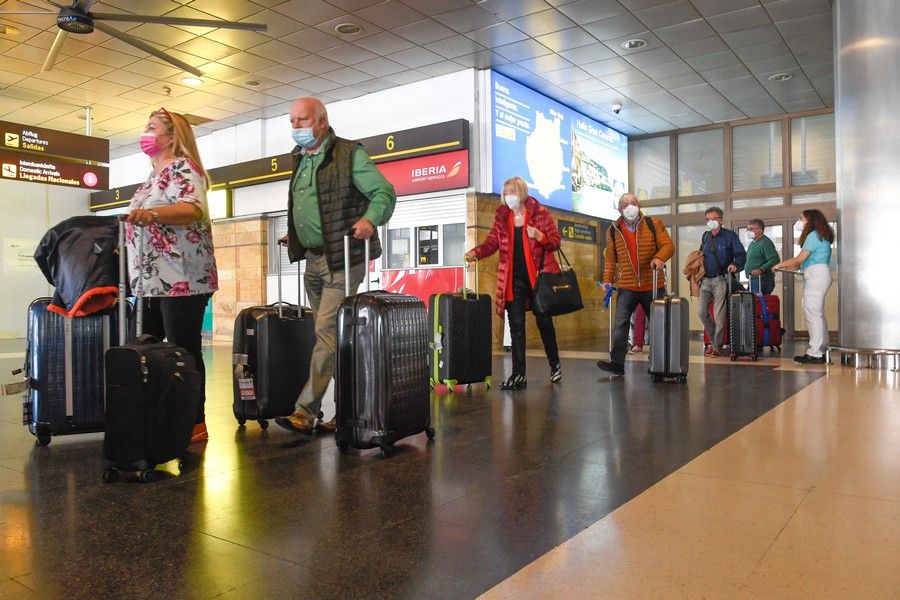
(461, 342)
(669, 348)
(153, 390)
(271, 353)
(742, 325)
(381, 368)
(64, 371)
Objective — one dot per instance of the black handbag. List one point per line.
(557, 293)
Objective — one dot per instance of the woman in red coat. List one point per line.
(525, 234)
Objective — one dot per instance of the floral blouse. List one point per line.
(176, 260)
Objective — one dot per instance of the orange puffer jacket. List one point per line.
(633, 276)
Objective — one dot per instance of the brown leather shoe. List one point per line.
(297, 422)
(327, 427)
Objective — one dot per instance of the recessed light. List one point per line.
(251, 83)
(347, 28)
(633, 44)
(191, 81)
(780, 77)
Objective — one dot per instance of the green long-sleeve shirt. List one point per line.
(762, 255)
(367, 179)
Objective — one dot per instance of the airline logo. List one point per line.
(446, 171)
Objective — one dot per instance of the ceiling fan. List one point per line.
(78, 18)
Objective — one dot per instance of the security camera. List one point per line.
(617, 108)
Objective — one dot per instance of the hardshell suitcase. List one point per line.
(64, 371)
(272, 349)
(381, 369)
(461, 344)
(153, 390)
(742, 325)
(669, 321)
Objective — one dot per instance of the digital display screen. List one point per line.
(568, 160)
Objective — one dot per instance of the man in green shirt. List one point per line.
(335, 187)
(761, 257)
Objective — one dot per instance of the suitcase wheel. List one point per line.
(148, 475)
(43, 439)
(263, 423)
(682, 379)
(110, 475)
(429, 432)
(733, 357)
(655, 378)
(242, 422)
(343, 446)
(387, 450)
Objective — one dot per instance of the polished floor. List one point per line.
(531, 492)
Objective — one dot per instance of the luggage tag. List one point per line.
(246, 388)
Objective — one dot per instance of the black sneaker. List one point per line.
(611, 367)
(515, 382)
(555, 374)
(806, 359)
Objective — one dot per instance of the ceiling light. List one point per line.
(780, 77)
(9, 30)
(633, 44)
(191, 81)
(347, 28)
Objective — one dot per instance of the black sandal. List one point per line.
(515, 382)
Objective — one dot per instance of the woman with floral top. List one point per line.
(172, 254)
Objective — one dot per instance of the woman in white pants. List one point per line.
(816, 237)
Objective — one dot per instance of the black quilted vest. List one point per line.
(340, 206)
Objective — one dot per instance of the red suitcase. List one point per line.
(768, 322)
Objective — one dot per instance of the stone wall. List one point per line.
(242, 258)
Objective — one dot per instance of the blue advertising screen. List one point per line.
(568, 160)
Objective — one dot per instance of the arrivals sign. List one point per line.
(52, 171)
(577, 232)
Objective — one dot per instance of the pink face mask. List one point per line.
(149, 145)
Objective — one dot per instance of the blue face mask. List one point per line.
(303, 136)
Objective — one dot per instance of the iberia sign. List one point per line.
(447, 171)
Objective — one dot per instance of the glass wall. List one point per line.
(651, 168)
(701, 167)
(756, 157)
(812, 150)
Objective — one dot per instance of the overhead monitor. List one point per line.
(569, 161)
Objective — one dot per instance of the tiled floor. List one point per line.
(522, 485)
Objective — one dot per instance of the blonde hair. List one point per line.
(520, 185)
(185, 145)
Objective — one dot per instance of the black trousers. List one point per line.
(515, 311)
(626, 303)
(179, 320)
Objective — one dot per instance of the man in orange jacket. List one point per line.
(636, 246)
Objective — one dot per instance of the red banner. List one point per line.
(447, 171)
(422, 283)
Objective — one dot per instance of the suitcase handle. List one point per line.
(477, 290)
(347, 262)
(656, 282)
(123, 275)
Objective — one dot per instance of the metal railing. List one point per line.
(866, 358)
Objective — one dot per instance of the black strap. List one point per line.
(558, 251)
(705, 240)
(650, 226)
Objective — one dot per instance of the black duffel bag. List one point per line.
(557, 293)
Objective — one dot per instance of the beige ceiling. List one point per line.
(705, 60)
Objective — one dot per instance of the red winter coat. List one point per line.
(501, 238)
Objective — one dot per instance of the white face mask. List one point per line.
(712, 225)
(511, 200)
(631, 212)
(799, 225)
(749, 235)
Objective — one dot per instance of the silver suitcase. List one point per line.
(669, 320)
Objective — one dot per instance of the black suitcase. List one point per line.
(669, 341)
(381, 369)
(742, 325)
(64, 371)
(461, 342)
(153, 391)
(272, 349)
